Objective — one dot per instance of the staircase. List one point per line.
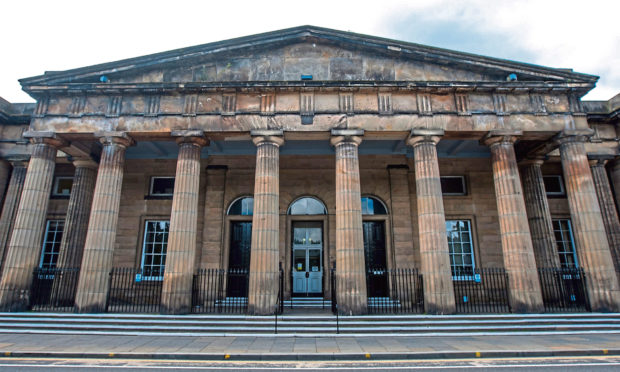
(307, 303)
(308, 325)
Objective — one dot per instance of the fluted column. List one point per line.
(524, 288)
(24, 246)
(11, 202)
(176, 296)
(264, 255)
(434, 250)
(615, 180)
(588, 227)
(78, 212)
(608, 208)
(93, 285)
(538, 213)
(5, 174)
(350, 265)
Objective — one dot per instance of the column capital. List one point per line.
(597, 160)
(573, 135)
(496, 137)
(353, 136)
(18, 160)
(191, 137)
(115, 138)
(85, 163)
(419, 136)
(536, 160)
(48, 138)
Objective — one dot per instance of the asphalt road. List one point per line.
(611, 363)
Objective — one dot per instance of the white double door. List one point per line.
(307, 259)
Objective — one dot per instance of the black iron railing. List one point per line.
(394, 291)
(54, 289)
(132, 292)
(481, 290)
(563, 289)
(220, 291)
(332, 281)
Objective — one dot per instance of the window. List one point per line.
(162, 186)
(565, 243)
(154, 249)
(554, 185)
(453, 185)
(461, 249)
(307, 206)
(62, 186)
(242, 207)
(372, 206)
(51, 244)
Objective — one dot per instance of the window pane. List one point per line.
(307, 206)
(242, 207)
(461, 248)
(372, 206)
(453, 185)
(565, 243)
(553, 185)
(51, 244)
(154, 249)
(162, 186)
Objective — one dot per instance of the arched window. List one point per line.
(243, 206)
(372, 206)
(307, 206)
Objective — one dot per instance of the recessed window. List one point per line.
(62, 186)
(564, 242)
(372, 206)
(162, 186)
(51, 243)
(154, 249)
(554, 185)
(242, 207)
(461, 249)
(453, 185)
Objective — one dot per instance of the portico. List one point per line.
(197, 169)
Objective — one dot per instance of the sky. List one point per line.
(64, 34)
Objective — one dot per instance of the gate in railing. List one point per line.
(563, 289)
(481, 290)
(132, 292)
(394, 291)
(220, 291)
(54, 289)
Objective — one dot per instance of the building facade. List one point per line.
(309, 149)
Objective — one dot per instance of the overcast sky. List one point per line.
(63, 34)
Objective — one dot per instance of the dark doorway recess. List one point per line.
(239, 258)
(374, 251)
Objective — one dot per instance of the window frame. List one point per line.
(54, 242)
(152, 183)
(571, 240)
(472, 251)
(57, 179)
(463, 183)
(143, 254)
(561, 182)
(240, 199)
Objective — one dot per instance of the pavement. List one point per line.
(245, 348)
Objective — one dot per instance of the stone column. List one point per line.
(24, 248)
(538, 213)
(350, 265)
(434, 251)
(588, 227)
(94, 283)
(78, 212)
(615, 179)
(11, 202)
(524, 288)
(5, 174)
(264, 254)
(608, 208)
(176, 296)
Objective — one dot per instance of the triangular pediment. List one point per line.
(304, 52)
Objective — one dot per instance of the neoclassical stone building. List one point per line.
(310, 148)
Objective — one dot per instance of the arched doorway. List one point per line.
(307, 247)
